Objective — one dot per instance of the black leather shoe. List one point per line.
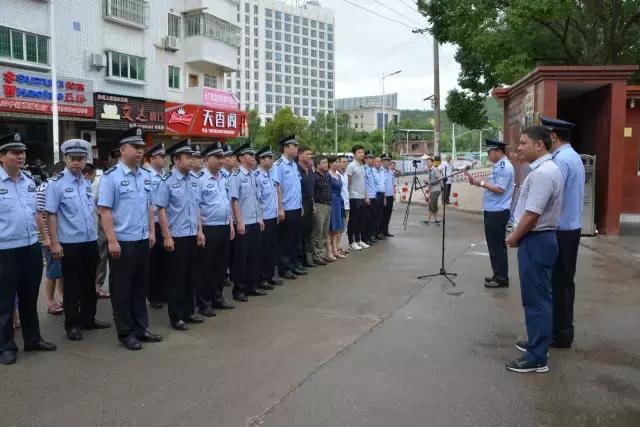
(223, 304)
(207, 312)
(257, 293)
(276, 282)
(320, 262)
(299, 272)
(8, 357)
(489, 279)
(74, 334)
(97, 324)
(381, 236)
(41, 345)
(371, 242)
(240, 296)
(132, 343)
(180, 325)
(497, 283)
(289, 275)
(194, 318)
(147, 336)
(563, 344)
(523, 365)
(309, 264)
(265, 286)
(389, 235)
(156, 304)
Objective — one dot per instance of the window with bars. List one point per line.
(125, 66)
(174, 25)
(205, 24)
(21, 46)
(134, 12)
(174, 77)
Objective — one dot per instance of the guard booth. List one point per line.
(595, 99)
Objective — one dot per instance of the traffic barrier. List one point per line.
(404, 195)
(455, 200)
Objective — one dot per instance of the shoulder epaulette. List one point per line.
(29, 175)
(199, 174)
(166, 175)
(279, 161)
(236, 172)
(57, 177)
(111, 169)
(256, 172)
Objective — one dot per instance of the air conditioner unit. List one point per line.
(171, 43)
(90, 137)
(98, 60)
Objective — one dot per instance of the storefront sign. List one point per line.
(122, 112)
(30, 92)
(197, 120)
(215, 98)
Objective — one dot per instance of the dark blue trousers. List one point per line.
(537, 253)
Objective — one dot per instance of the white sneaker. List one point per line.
(363, 245)
(355, 247)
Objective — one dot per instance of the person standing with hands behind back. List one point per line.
(536, 217)
(435, 187)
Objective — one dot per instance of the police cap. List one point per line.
(13, 141)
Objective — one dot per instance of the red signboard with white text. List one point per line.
(202, 121)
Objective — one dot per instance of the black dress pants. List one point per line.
(183, 278)
(386, 215)
(213, 262)
(495, 231)
(246, 269)
(129, 288)
(354, 227)
(304, 244)
(79, 264)
(20, 274)
(564, 287)
(378, 213)
(287, 238)
(157, 270)
(268, 247)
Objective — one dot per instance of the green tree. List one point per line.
(500, 41)
(284, 123)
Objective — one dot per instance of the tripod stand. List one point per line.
(414, 184)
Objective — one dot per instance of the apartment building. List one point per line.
(366, 112)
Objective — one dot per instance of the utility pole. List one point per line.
(436, 90)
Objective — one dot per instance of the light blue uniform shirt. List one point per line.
(370, 182)
(18, 225)
(503, 177)
(243, 188)
(180, 195)
(287, 176)
(572, 169)
(380, 177)
(388, 182)
(128, 195)
(267, 193)
(70, 198)
(214, 206)
(156, 177)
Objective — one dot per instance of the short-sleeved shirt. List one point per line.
(344, 191)
(321, 189)
(572, 169)
(502, 176)
(380, 179)
(370, 181)
(267, 193)
(388, 182)
(128, 193)
(243, 188)
(18, 227)
(215, 208)
(156, 177)
(306, 183)
(287, 176)
(355, 171)
(541, 193)
(70, 198)
(433, 175)
(446, 169)
(180, 195)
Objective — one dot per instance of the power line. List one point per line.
(393, 10)
(410, 7)
(377, 14)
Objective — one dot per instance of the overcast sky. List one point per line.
(368, 46)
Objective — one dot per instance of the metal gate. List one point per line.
(589, 206)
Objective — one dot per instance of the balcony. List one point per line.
(211, 40)
(223, 9)
(132, 13)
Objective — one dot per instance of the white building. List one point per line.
(366, 112)
(287, 58)
(133, 52)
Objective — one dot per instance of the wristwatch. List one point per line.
(481, 183)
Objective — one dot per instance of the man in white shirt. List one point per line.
(446, 169)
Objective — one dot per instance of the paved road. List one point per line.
(358, 343)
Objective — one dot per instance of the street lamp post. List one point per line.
(384, 124)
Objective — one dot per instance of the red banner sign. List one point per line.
(197, 120)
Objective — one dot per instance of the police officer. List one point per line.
(178, 202)
(388, 193)
(157, 262)
(370, 201)
(381, 200)
(268, 197)
(536, 218)
(127, 219)
(198, 161)
(74, 239)
(229, 164)
(217, 226)
(287, 179)
(568, 232)
(498, 190)
(20, 252)
(243, 192)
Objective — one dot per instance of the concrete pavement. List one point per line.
(360, 342)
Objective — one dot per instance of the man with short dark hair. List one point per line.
(268, 198)
(536, 218)
(435, 187)
(305, 166)
(357, 192)
(322, 215)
